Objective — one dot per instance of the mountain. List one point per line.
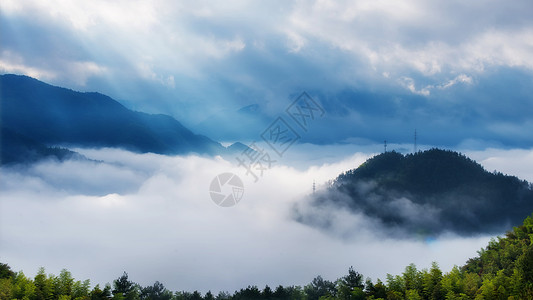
(244, 123)
(50, 115)
(17, 148)
(427, 193)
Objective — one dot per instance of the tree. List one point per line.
(196, 296)
(378, 290)
(395, 284)
(125, 288)
(353, 279)
(295, 293)
(23, 287)
(155, 292)
(267, 292)
(98, 294)
(432, 282)
(412, 295)
(6, 272)
(223, 296)
(350, 286)
(251, 292)
(183, 295)
(412, 279)
(280, 293)
(63, 283)
(6, 282)
(318, 288)
(452, 283)
(487, 291)
(209, 296)
(44, 285)
(394, 295)
(6, 289)
(525, 268)
(472, 282)
(81, 290)
(358, 294)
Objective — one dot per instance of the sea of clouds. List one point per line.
(151, 216)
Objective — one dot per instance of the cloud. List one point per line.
(196, 60)
(82, 70)
(12, 63)
(429, 38)
(409, 84)
(448, 65)
(517, 162)
(151, 216)
(459, 79)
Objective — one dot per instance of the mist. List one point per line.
(151, 216)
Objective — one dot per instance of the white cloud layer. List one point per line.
(151, 216)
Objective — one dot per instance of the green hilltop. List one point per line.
(431, 192)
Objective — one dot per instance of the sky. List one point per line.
(460, 73)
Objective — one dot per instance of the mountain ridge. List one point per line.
(52, 115)
(17, 148)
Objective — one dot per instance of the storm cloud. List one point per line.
(456, 71)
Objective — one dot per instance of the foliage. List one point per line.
(319, 288)
(18, 148)
(157, 292)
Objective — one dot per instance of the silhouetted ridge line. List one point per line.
(51, 115)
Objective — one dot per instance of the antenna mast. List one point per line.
(314, 186)
(385, 145)
(415, 140)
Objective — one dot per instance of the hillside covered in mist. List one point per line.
(426, 193)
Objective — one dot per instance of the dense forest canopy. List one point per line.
(502, 270)
(429, 193)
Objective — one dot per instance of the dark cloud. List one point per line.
(383, 69)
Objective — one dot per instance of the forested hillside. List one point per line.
(503, 270)
(17, 148)
(428, 193)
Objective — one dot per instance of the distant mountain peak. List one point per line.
(252, 108)
(52, 115)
